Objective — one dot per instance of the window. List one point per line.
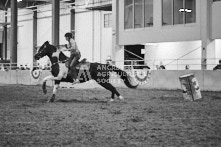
(138, 13)
(190, 6)
(178, 12)
(128, 14)
(167, 12)
(107, 20)
(148, 12)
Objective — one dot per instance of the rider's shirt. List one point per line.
(73, 46)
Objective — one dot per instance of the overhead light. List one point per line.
(182, 10)
(19, 0)
(186, 10)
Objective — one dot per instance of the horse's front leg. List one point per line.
(55, 88)
(52, 78)
(44, 83)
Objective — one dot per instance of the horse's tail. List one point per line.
(124, 76)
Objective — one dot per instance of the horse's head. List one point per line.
(45, 50)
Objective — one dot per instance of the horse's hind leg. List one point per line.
(111, 88)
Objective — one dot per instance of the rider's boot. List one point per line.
(75, 81)
(74, 75)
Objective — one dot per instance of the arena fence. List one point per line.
(155, 79)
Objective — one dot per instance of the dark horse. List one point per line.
(86, 71)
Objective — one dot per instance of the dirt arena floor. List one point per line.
(85, 118)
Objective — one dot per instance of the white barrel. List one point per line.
(190, 87)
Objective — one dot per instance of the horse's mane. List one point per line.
(53, 47)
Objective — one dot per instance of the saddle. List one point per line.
(82, 65)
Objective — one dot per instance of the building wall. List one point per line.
(173, 33)
(174, 55)
(106, 39)
(44, 24)
(181, 39)
(96, 36)
(84, 33)
(216, 20)
(25, 39)
(65, 24)
(218, 50)
(94, 41)
(158, 33)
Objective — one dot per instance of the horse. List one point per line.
(86, 71)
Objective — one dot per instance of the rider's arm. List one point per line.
(67, 47)
(72, 46)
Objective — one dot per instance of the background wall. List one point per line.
(216, 20)
(94, 41)
(168, 52)
(158, 33)
(25, 37)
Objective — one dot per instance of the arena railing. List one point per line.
(170, 64)
(17, 66)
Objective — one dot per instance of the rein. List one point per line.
(60, 62)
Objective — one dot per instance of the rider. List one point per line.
(74, 57)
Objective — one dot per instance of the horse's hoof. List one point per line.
(121, 98)
(51, 100)
(111, 100)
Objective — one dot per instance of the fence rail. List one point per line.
(170, 64)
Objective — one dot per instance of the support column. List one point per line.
(115, 29)
(13, 33)
(5, 37)
(117, 53)
(206, 15)
(93, 34)
(34, 32)
(55, 22)
(73, 18)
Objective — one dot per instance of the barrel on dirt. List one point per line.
(190, 87)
